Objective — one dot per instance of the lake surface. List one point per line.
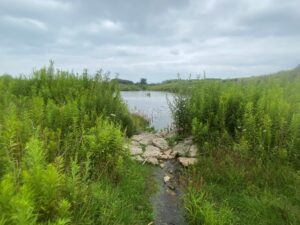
(154, 105)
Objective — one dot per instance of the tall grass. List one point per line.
(248, 136)
(62, 159)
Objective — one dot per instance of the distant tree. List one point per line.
(143, 81)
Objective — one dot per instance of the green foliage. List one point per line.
(201, 211)
(248, 134)
(62, 155)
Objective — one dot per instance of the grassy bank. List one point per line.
(248, 134)
(62, 159)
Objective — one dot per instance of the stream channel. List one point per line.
(167, 203)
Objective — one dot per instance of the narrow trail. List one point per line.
(154, 149)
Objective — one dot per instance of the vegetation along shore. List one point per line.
(72, 153)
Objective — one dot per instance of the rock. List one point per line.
(135, 143)
(171, 192)
(188, 141)
(167, 178)
(185, 161)
(160, 143)
(164, 157)
(138, 158)
(144, 138)
(152, 160)
(162, 165)
(163, 133)
(180, 150)
(193, 151)
(135, 150)
(146, 141)
(137, 137)
(171, 186)
(152, 151)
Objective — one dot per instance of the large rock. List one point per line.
(185, 161)
(152, 151)
(152, 160)
(135, 150)
(137, 137)
(147, 138)
(188, 141)
(160, 143)
(138, 158)
(180, 149)
(193, 151)
(167, 155)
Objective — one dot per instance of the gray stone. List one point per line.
(152, 160)
(138, 158)
(193, 151)
(180, 149)
(135, 143)
(147, 138)
(188, 141)
(167, 178)
(185, 161)
(137, 137)
(135, 150)
(160, 143)
(152, 151)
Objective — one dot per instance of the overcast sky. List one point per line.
(155, 39)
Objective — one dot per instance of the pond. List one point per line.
(154, 105)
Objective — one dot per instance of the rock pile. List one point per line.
(154, 149)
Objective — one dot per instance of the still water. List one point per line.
(154, 105)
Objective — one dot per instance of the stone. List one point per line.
(137, 137)
(152, 160)
(152, 151)
(185, 161)
(171, 186)
(168, 154)
(171, 192)
(188, 141)
(180, 150)
(163, 133)
(193, 151)
(135, 143)
(135, 150)
(160, 143)
(167, 178)
(138, 158)
(162, 165)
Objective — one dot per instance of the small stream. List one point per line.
(166, 202)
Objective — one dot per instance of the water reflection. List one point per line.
(152, 104)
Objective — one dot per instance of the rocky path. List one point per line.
(154, 149)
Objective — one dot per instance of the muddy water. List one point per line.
(168, 209)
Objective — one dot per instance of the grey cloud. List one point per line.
(152, 38)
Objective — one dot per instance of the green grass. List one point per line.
(247, 131)
(233, 191)
(127, 202)
(62, 154)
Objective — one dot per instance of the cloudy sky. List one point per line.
(155, 39)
